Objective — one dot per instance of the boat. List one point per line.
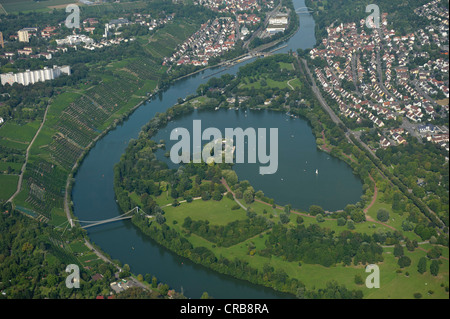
(317, 171)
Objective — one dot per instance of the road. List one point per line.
(355, 57)
(100, 255)
(319, 96)
(423, 93)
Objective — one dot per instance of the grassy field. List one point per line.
(15, 6)
(394, 282)
(286, 66)
(217, 213)
(270, 84)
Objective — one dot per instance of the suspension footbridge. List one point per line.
(304, 10)
(91, 223)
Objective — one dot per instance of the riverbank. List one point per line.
(170, 238)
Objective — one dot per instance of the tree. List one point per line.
(351, 224)
(382, 215)
(315, 209)
(320, 218)
(358, 280)
(358, 216)
(434, 253)
(206, 195)
(160, 219)
(249, 196)
(205, 295)
(284, 218)
(422, 265)
(409, 245)
(230, 176)
(434, 267)
(217, 195)
(404, 261)
(341, 221)
(163, 289)
(398, 250)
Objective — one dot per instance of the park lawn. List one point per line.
(395, 220)
(8, 185)
(398, 285)
(216, 212)
(296, 83)
(270, 84)
(286, 66)
(201, 100)
(164, 199)
(393, 284)
(364, 227)
(19, 132)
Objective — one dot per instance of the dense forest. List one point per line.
(32, 262)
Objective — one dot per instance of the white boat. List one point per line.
(317, 171)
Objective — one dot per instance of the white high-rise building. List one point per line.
(31, 77)
(23, 36)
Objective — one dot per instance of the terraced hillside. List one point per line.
(78, 116)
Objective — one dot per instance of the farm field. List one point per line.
(15, 6)
(22, 133)
(8, 186)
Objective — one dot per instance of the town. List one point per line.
(386, 80)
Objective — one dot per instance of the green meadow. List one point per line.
(395, 282)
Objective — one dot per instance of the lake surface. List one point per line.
(93, 193)
(296, 181)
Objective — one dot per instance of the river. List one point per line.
(93, 197)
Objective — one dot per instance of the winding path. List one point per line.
(289, 84)
(374, 198)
